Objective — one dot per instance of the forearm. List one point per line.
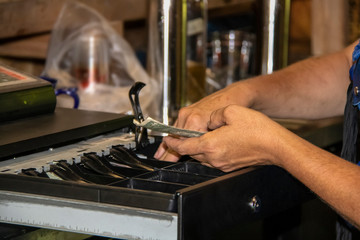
(333, 179)
(241, 137)
(313, 88)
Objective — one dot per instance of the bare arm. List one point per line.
(313, 88)
(333, 179)
(244, 137)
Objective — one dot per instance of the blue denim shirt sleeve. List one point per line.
(355, 76)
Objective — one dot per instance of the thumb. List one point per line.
(217, 119)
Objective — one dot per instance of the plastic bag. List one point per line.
(76, 23)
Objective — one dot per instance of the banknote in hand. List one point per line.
(155, 125)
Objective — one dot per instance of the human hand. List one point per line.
(241, 137)
(196, 116)
(189, 118)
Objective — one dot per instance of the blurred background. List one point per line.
(26, 25)
(233, 28)
(235, 43)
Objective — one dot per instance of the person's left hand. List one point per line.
(241, 137)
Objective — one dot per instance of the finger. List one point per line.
(160, 151)
(207, 164)
(188, 146)
(170, 156)
(191, 121)
(196, 125)
(203, 160)
(176, 124)
(217, 119)
(166, 154)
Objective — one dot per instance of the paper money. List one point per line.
(154, 125)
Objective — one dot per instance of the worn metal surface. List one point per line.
(86, 217)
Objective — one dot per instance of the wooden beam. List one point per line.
(37, 17)
(35, 47)
(27, 17)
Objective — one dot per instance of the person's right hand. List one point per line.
(197, 116)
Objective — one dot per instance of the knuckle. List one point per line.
(206, 144)
(190, 118)
(230, 110)
(216, 164)
(180, 149)
(183, 112)
(213, 154)
(210, 149)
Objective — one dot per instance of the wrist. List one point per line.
(290, 148)
(241, 93)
